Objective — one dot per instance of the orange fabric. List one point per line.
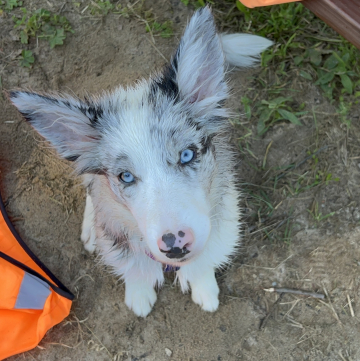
(256, 3)
(11, 278)
(22, 329)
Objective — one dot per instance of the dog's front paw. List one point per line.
(206, 295)
(205, 291)
(140, 298)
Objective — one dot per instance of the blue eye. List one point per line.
(187, 156)
(126, 177)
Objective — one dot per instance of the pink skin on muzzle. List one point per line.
(175, 245)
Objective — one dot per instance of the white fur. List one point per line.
(88, 235)
(205, 291)
(143, 130)
(140, 297)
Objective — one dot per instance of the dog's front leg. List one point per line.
(140, 273)
(88, 235)
(205, 291)
(204, 288)
(140, 281)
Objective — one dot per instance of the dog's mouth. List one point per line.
(178, 260)
(176, 252)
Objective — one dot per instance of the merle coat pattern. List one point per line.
(157, 165)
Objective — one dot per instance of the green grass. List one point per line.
(34, 25)
(196, 3)
(9, 5)
(305, 49)
(271, 111)
(165, 30)
(101, 8)
(26, 59)
(299, 183)
(305, 52)
(288, 231)
(317, 216)
(42, 24)
(324, 57)
(259, 203)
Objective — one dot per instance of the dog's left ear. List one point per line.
(199, 65)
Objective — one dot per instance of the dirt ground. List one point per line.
(288, 247)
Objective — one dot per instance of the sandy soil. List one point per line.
(46, 204)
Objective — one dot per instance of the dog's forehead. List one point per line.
(141, 127)
(142, 113)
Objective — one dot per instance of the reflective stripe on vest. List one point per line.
(33, 293)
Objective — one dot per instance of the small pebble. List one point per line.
(168, 352)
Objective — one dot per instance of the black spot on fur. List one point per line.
(121, 158)
(193, 124)
(193, 147)
(206, 144)
(120, 240)
(93, 170)
(27, 116)
(13, 94)
(92, 112)
(154, 129)
(72, 158)
(221, 103)
(181, 234)
(95, 114)
(67, 103)
(217, 120)
(172, 132)
(166, 82)
(46, 98)
(89, 187)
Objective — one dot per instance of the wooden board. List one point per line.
(341, 15)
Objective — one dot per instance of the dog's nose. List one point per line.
(176, 245)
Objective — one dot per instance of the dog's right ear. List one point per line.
(69, 124)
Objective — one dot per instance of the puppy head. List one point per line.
(155, 143)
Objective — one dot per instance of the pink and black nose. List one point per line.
(176, 245)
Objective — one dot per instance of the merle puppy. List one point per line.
(157, 165)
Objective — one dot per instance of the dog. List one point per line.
(157, 165)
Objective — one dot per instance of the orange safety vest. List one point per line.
(256, 3)
(32, 300)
